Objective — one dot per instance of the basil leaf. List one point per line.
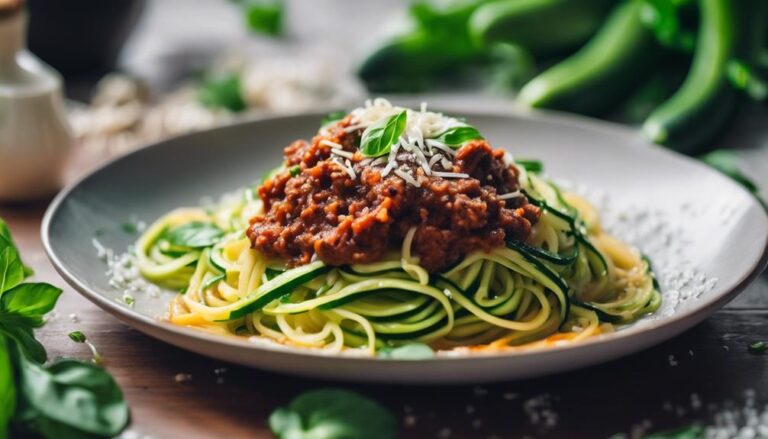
(222, 91)
(30, 300)
(11, 269)
(457, 136)
(7, 388)
(378, 138)
(28, 421)
(24, 339)
(5, 233)
(411, 351)
(194, 235)
(72, 393)
(333, 414)
(77, 336)
(264, 16)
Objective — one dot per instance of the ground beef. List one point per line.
(323, 212)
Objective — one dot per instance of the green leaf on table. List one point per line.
(694, 431)
(7, 388)
(5, 233)
(333, 414)
(379, 137)
(457, 136)
(222, 90)
(11, 268)
(725, 161)
(410, 351)
(32, 300)
(77, 337)
(22, 335)
(80, 397)
(264, 16)
(196, 234)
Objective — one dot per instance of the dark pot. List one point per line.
(81, 38)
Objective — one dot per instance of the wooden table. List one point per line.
(671, 385)
(656, 389)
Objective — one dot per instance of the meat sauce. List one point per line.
(320, 211)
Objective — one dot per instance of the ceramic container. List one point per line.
(718, 231)
(35, 137)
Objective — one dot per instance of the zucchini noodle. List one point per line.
(568, 282)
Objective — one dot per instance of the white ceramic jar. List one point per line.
(35, 137)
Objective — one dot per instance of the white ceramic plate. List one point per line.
(706, 235)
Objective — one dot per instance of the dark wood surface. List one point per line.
(656, 389)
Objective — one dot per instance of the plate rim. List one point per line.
(698, 313)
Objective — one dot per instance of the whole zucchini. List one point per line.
(706, 100)
(603, 72)
(543, 27)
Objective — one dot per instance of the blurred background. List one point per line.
(686, 77)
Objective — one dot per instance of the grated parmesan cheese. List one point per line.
(509, 195)
(326, 142)
(451, 174)
(417, 143)
(341, 152)
(407, 177)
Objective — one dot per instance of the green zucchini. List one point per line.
(603, 72)
(216, 258)
(706, 100)
(272, 273)
(602, 271)
(547, 256)
(543, 27)
(210, 282)
(277, 287)
(546, 277)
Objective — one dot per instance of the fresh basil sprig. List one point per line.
(69, 396)
(378, 138)
(457, 136)
(66, 399)
(333, 414)
(5, 234)
(7, 388)
(196, 234)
